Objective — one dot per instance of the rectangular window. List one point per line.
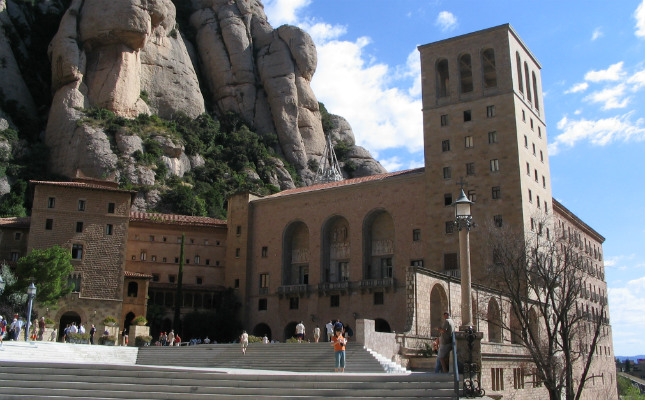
(264, 281)
(208, 261)
(494, 165)
(265, 252)
(450, 261)
(237, 252)
(533, 144)
(108, 229)
(236, 283)
(77, 251)
(14, 256)
(523, 116)
(199, 280)
(496, 192)
(197, 259)
(447, 199)
(470, 168)
(155, 277)
(153, 258)
(528, 169)
(416, 263)
(334, 300)
(472, 196)
(238, 230)
(450, 227)
(294, 303)
(176, 260)
(81, 205)
(543, 182)
(530, 196)
(51, 202)
(79, 227)
(497, 219)
(539, 131)
(531, 121)
(444, 119)
(416, 235)
(152, 238)
(541, 156)
(447, 173)
(497, 379)
(143, 256)
(49, 224)
(445, 145)
(378, 298)
(17, 236)
(262, 304)
(518, 378)
(532, 224)
(171, 278)
(469, 143)
(526, 142)
(468, 116)
(536, 175)
(490, 111)
(111, 208)
(538, 202)
(492, 137)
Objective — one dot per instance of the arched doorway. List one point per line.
(66, 319)
(381, 325)
(290, 330)
(438, 305)
(335, 250)
(262, 329)
(378, 245)
(494, 317)
(128, 321)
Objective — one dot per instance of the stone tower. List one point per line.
(484, 124)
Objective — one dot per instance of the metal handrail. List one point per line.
(456, 367)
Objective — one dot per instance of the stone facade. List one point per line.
(14, 233)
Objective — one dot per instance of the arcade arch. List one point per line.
(378, 245)
(295, 254)
(335, 250)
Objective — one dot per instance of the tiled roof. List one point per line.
(174, 219)
(83, 185)
(15, 222)
(346, 182)
(137, 275)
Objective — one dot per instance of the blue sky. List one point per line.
(593, 76)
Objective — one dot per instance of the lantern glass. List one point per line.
(31, 290)
(462, 209)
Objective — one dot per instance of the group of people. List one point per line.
(169, 339)
(14, 329)
(300, 333)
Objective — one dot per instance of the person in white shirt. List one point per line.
(300, 332)
(244, 340)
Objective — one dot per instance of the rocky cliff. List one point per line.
(132, 57)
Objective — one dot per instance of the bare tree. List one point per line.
(544, 279)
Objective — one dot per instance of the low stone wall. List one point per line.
(384, 343)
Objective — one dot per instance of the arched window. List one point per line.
(295, 254)
(518, 63)
(465, 74)
(381, 325)
(378, 245)
(133, 289)
(494, 317)
(527, 76)
(490, 73)
(336, 250)
(535, 93)
(438, 305)
(516, 329)
(443, 78)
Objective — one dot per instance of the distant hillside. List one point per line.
(630, 358)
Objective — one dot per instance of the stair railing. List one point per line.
(456, 366)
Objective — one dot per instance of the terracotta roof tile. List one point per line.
(346, 182)
(174, 219)
(83, 185)
(137, 275)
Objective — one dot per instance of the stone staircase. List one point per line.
(85, 372)
(294, 357)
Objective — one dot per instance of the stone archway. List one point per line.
(381, 325)
(65, 319)
(262, 329)
(494, 317)
(438, 305)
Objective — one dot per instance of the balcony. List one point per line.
(454, 273)
(370, 284)
(293, 290)
(326, 287)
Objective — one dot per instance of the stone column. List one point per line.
(466, 296)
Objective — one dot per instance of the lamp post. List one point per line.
(31, 293)
(464, 222)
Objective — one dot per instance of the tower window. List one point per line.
(490, 111)
(492, 137)
(468, 116)
(470, 168)
(468, 142)
(496, 192)
(494, 165)
(444, 120)
(445, 145)
(447, 173)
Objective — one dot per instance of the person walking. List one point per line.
(244, 341)
(41, 328)
(92, 332)
(300, 332)
(445, 346)
(339, 343)
(317, 334)
(171, 337)
(329, 330)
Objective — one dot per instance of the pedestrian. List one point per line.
(3, 328)
(124, 337)
(339, 343)
(207, 340)
(300, 332)
(177, 340)
(265, 339)
(316, 334)
(52, 336)
(41, 328)
(445, 346)
(244, 341)
(348, 332)
(171, 337)
(92, 332)
(330, 330)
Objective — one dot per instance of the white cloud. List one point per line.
(280, 12)
(613, 73)
(599, 132)
(637, 80)
(597, 33)
(322, 33)
(611, 97)
(627, 318)
(578, 87)
(446, 21)
(639, 15)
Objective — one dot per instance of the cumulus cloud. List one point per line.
(613, 73)
(611, 97)
(639, 15)
(597, 33)
(598, 132)
(578, 87)
(446, 21)
(627, 318)
(281, 12)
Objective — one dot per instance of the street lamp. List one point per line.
(31, 293)
(464, 222)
